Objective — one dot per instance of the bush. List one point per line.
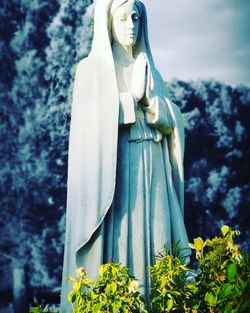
(113, 291)
(223, 280)
(220, 283)
(169, 290)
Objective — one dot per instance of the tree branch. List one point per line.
(7, 256)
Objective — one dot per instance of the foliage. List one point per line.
(219, 284)
(34, 145)
(113, 291)
(168, 285)
(223, 280)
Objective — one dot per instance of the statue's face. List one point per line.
(125, 24)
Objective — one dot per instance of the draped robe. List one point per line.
(92, 169)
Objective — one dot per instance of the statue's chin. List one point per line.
(129, 42)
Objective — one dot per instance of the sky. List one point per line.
(201, 39)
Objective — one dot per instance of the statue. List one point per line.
(125, 167)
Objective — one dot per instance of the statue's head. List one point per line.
(124, 22)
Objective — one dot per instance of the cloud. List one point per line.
(201, 39)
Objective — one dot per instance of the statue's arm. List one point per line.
(127, 108)
(139, 77)
(158, 114)
(158, 105)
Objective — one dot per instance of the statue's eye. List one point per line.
(123, 18)
(135, 17)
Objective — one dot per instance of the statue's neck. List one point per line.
(121, 54)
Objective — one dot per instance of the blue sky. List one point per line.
(201, 39)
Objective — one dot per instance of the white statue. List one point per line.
(125, 178)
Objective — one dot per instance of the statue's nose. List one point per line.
(130, 23)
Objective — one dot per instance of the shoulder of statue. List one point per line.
(86, 63)
(93, 63)
(85, 69)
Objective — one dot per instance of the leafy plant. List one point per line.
(169, 290)
(113, 291)
(220, 282)
(223, 280)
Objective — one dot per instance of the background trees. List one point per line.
(217, 153)
(40, 44)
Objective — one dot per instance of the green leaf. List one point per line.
(88, 281)
(237, 292)
(72, 296)
(170, 304)
(210, 299)
(114, 271)
(113, 287)
(34, 310)
(225, 229)
(228, 308)
(245, 306)
(102, 270)
(231, 271)
(163, 281)
(114, 309)
(198, 244)
(97, 307)
(227, 290)
(77, 285)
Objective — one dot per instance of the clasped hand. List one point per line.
(139, 77)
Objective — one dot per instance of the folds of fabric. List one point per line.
(92, 158)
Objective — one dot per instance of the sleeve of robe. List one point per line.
(174, 139)
(158, 114)
(126, 109)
